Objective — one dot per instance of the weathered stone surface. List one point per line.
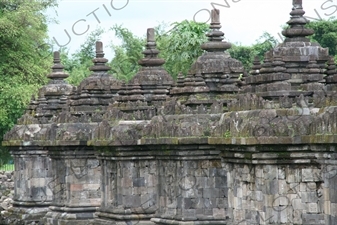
(214, 78)
(218, 147)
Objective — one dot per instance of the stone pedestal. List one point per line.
(75, 185)
(32, 195)
(279, 187)
(129, 188)
(192, 187)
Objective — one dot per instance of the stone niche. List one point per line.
(155, 186)
(193, 190)
(129, 188)
(76, 186)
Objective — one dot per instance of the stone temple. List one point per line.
(219, 146)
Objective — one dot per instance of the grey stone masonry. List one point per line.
(145, 93)
(220, 146)
(32, 196)
(214, 78)
(129, 189)
(6, 195)
(278, 189)
(76, 186)
(192, 189)
(293, 68)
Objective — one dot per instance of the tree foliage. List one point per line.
(78, 63)
(124, 65)
(325, 34)
(25, 56)
(246, 54)
(180, 46)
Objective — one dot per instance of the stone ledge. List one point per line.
(46, 143)
(32, 203)
(20, 215)
(273, 140)
(176, 222)
(125, 217)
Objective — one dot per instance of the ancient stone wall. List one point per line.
(6, 189)
(280, 194)
(218, 147)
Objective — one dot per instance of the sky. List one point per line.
(243, 21)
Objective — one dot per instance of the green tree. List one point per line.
(179, 46)
(246, 54)
(325, 34)
(25, 57)
(124, 65)
(78, 63)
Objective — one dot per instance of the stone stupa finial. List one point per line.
(256, 66)
(151, 52)
(331, 69)
(215, 36)
(99, 61)
(297, 22)
(57, 74)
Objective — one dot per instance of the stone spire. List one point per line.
(297, 31)
(295, 67)
(148, 89)
(331, 69)
(151, 53)
(256, 66)
(216, 65)
(57, 86)
(331, 78)
(99, 62)
(215, 36)
(98, 90)
(52, 98)
(214, 78)
(152, 74)
(57, 75)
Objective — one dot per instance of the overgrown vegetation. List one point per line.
(78, 63)
(325, 34)
(25, 57)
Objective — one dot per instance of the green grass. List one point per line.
(7, 167)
